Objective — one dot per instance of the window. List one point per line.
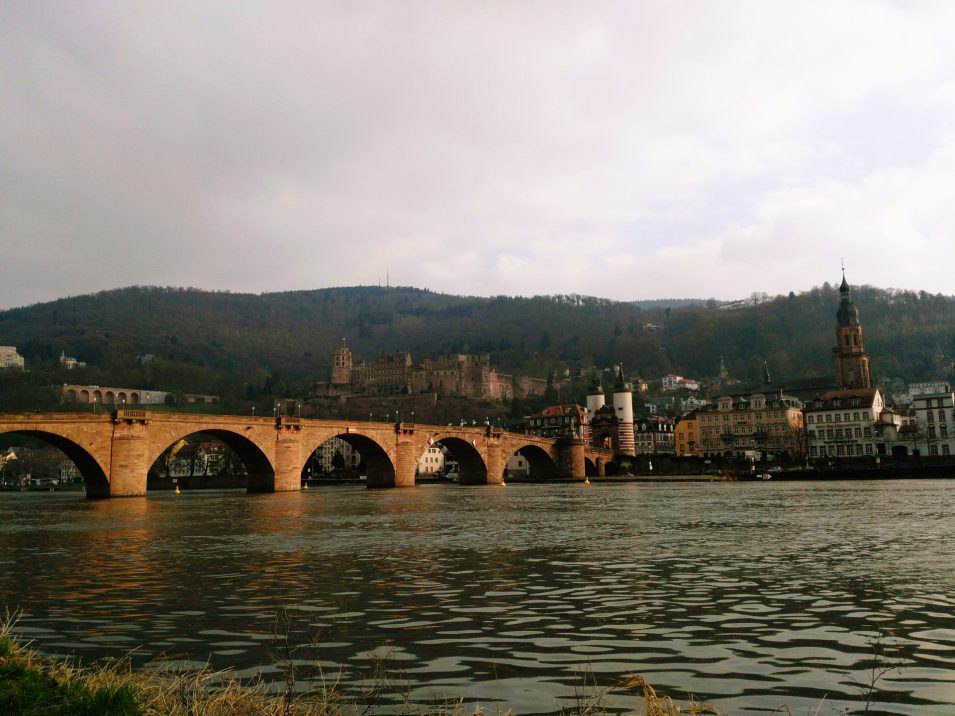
(931, 431)
(931, 416)
(838, 417)
(943, 431)
(945, 450)
(812, 451)
(846, 417)
(867, 432)
(858, 449)
(941, 416)
(828, 417)
(838, 433)
(868, 449)
(841, 450)
(858, 432)
(829, 433)
(855, 416)
(933, 449)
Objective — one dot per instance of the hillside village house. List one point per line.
(10, 359)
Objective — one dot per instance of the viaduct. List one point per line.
(114, 451)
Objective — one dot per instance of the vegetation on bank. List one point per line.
(33, 685)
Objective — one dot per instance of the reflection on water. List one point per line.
(749, 595)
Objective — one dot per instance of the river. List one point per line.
(748, 595)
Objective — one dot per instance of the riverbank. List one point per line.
(34, 685)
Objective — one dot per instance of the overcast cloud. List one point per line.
(626, 150)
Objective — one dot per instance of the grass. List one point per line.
(34, 685)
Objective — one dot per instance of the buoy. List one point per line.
(586, 480)
(177, 490)
(503, 484)
(305, 486)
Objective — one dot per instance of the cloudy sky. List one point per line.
(627, 150)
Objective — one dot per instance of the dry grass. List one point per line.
(211, 693)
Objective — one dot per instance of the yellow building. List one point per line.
(688, 435)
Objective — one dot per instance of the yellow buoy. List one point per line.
(305, 486)
(586, 480)
(177, 490)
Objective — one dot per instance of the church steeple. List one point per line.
(851, 360)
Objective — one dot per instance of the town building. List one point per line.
(687, 435)
(849, 423)
(10, 359)
(654, 436)
(754, 426)
(431, 461)
(557, 421)
(935, 423)
(677, 382)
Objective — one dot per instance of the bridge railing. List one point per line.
(129, 414)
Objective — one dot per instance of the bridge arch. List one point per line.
(540, 461)
(94, 475)
(261, 472)
(378, 465)
(472, 467)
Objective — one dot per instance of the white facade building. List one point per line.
(935, 421)
(10, 359)
(843, 423)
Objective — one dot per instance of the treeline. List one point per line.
(247, 347)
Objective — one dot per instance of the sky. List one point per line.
(627, 150)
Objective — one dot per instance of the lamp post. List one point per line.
(94, 403)
(253, 411)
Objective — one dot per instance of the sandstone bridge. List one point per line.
(115, 451)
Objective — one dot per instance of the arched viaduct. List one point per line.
(114, 451)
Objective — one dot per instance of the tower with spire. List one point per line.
(623, 410)
(849, 356)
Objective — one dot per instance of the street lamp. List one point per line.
(94, 403)
(253, 411)
(299, 406)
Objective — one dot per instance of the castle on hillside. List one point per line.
(456, 374)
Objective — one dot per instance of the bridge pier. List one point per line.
(406, 455)
(571, 459)
(128, 459)
(288, 456)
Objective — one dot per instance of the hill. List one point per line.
(250, 347)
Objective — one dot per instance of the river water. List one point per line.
(748, 595)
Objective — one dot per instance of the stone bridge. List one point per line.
(114, 451)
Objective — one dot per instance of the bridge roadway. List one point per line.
(115, 450)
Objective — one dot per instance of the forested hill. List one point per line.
(245, 346)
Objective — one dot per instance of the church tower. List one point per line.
(851, 360)
(595, 398)
(341, 365)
